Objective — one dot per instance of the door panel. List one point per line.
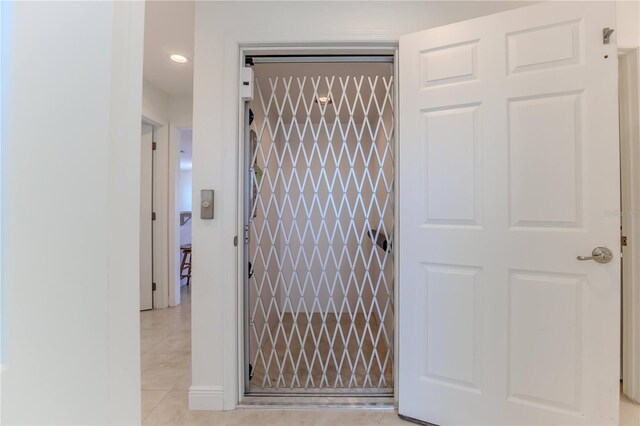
(545, 131)
(146, 231)
(508, 165)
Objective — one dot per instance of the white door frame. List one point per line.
(160, 191)
(629, 57)
(234, 47)
(147, 185)
(249, 49)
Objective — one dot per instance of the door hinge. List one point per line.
(235, 241)
(154, 146)
(153, 286)
(246, 234)
(153, 215)
(606, 35)
(623, 240)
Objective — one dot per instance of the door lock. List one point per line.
(599, 254)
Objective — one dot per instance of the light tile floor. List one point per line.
(166, 377)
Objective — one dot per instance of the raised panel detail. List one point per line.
(545, 176)
(452, 345)
(545, 340)
(449, 64)
(451, 166)
(544, 47)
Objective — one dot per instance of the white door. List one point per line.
(508, 171)
(146, 232)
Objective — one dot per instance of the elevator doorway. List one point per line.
(319, 227)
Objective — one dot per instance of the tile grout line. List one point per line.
(156, 404)
(176, 317)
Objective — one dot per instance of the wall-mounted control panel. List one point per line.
(246, 83)
(206, 204)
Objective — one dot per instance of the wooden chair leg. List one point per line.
(189, 270)
(183, 263)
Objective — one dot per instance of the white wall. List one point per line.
(185, 190)
(181, 109)
(155, 103)
(628, 25)
(220, 26)
(73, 80)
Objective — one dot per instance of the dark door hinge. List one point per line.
(606, 35)
(153, 286)
(623, 240)
(235, 241)
(153, 215)
(246, 234)
(154, 146)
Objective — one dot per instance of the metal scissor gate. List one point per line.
(320, 163)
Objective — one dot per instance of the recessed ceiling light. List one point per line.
(178, 58)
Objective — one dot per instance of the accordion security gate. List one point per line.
(320, 220)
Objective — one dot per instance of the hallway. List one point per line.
(166, 377)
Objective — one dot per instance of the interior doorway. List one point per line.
(165, 331)
(319, 221)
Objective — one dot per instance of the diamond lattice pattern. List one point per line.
(321, 290)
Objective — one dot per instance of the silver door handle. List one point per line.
(599, 254)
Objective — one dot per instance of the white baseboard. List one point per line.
(206, 398)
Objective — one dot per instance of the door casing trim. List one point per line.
(389, 47)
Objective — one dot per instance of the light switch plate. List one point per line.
(206, 204)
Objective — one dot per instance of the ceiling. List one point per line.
(169, 28)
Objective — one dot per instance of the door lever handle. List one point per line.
(599, 254)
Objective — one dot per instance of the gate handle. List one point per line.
(599, 254)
